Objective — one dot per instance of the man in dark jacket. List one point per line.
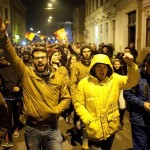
(138, 99)
(11, 89)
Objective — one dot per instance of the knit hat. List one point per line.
(85, 46)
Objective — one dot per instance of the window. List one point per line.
(101, 32)
(6, 13)
(101, 2)
(96, 3)
(132, 19)
(106, 33)
(148, 32)
(114, 29)
(131, 27)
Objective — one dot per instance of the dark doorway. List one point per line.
(131, 35)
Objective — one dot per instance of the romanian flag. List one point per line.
(30, 36)
(61, 34)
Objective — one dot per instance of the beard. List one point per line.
(41, 68)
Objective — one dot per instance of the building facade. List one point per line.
(118, 22)
(15, 12)
(78, 23)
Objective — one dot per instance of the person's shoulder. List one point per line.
(63, 70)
(77, 65)
(85, 80)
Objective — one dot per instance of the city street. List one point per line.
(122, 140)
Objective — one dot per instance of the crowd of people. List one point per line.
(83, 83)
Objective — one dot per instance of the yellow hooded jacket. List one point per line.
(97, 102)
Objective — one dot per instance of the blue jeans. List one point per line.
(43, 138)
(140, 137)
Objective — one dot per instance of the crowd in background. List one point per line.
(66, 59)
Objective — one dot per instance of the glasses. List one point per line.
(42, 58)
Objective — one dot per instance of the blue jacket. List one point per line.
(136, 97)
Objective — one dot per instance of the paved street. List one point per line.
(122, 140)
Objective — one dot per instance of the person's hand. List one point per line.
(147, 106)
(128, 58)
(3, 28)
(93, 127)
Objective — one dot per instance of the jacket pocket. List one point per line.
(95, 131)
(113, 122)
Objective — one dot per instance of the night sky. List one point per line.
(37, 14)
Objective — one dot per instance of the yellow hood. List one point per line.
(101, 59)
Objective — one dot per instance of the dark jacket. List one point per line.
(136, 97)
(3, 117)
(9, 80)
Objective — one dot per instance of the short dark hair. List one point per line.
(41, 49)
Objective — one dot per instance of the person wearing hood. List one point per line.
(97, 96)
(138, 100)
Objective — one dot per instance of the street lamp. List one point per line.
(50, 19)
(49, 5)
(38, 32)
(31, 29)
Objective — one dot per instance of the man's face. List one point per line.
(101, 71)
(86, 53)
(40, 61)
(26, 58)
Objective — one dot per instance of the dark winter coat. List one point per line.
(136, 97)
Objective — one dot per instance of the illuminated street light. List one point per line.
(49, 5)
(49, 20)
(39, 32)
